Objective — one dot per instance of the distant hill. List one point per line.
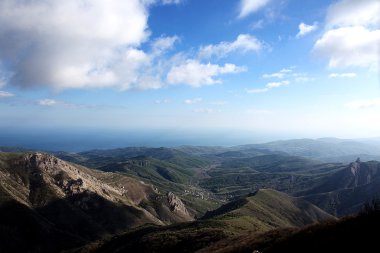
(65, 205)
(324, 148)
(99, 158)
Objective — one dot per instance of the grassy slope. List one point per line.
(351, 234)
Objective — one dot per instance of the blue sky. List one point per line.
(280, 68)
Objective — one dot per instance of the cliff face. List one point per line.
(176, 205)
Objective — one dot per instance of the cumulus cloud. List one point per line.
(353, 12)
(352, 35)
(196, 74)
(363, 104)
(243, 43)
(6, 94)
(350, 46)
(80, 44)
(305, 29)
(248, 7)
(192, 101)
(344, 75)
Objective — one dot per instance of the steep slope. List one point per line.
(71, 201)
(345, 191)
(169, 170)
(264, 211)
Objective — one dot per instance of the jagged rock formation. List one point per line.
(177, 206)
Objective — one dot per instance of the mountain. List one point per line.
(324, 148)
(263, 211)
(344, 192)
(65, 205)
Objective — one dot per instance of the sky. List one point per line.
(236, 70)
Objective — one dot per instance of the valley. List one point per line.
(182, 199)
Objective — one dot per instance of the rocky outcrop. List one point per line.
(176, 205)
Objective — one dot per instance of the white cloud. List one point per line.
(281, 74)
(350, 46)
(196, 74)
(192, 101)
(305, 29)
(253, 91)
(277, 84)
(243, 43)
(250, 6)
(268, 87)
(352, 34)
(346, 75)
(47, 102)
(6, 94)
(274, 75)
(363, 104)
(302, 77)
(163, 44)
(353, 12)
(80, 44)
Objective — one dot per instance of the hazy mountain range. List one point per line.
(183, 199)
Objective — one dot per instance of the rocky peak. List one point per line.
(176, 205)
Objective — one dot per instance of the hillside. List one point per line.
(267, 209)
(64, 204)
(99, 158)
(264, 211)
(344, 192)
(235, 177)
(351, 234)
